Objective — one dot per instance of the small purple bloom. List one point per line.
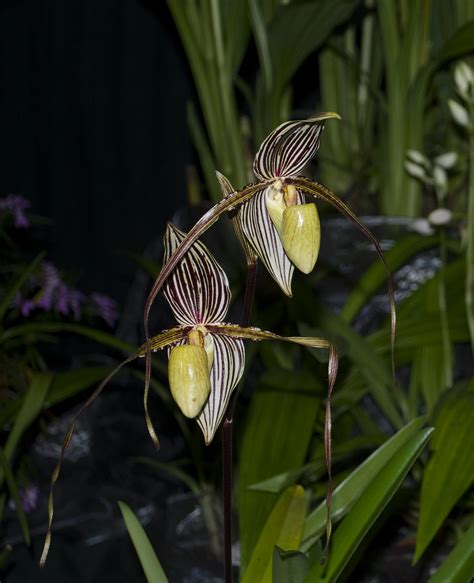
(51, 280)
(75, 300)
(62, 299)
(15, 204)
(26, 306)
(28, 497)
(107, 308)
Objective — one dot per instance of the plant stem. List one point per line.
(227, 486)
(227, 434)
(249, 293)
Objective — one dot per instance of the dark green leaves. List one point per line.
(355, 485)
(350, 533)
(303, 26)
(450, 470)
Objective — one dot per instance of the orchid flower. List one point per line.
(208, 360)
(271, 217)
(206, 355)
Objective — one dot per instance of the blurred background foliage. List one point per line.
(401, 76)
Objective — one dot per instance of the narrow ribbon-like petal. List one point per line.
(287, 150)
(226, 372)
(198, 289)
(260, 231)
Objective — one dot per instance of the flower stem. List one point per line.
(249, 293)
(227, 434)
(227, 440)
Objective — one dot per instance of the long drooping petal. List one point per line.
(226, 372)
(287, 150)
(163, 340)
(260, 231)
(198, 289)
(319, 191)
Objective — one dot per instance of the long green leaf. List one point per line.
(266, 451)
(304, 26)
(459, 566)
(148, 559)
(352, 488)
(18, 283)
(65, 385)
(283, 529)
(367, 509)
(30, 408)
(450, 470)
(52, 327)
(13, 489)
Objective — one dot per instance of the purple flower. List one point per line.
(28, 497)
(15, 205)
(50, 293)
(75, 300)
(50, 281)
(107, 308)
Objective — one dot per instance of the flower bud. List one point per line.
(301, 235)
(188, 373)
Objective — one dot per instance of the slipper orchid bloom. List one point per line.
(206, 356)
(208, 361)
(271, 217)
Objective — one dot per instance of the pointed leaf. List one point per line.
(287, 150)
(226, 372)
(367, 509)
(450, 470)
(260, 231)
(148, 559)
(350, 490)
(459, 566)
(283, 528)
(30, 408)
(198, 289)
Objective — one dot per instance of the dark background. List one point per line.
(92, 127)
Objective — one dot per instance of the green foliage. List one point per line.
(283, 529)
(289, 566)
(459, 566)
(356, 484)
(450, 470)
(277, 435)
(368, 507)
(151, 565)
